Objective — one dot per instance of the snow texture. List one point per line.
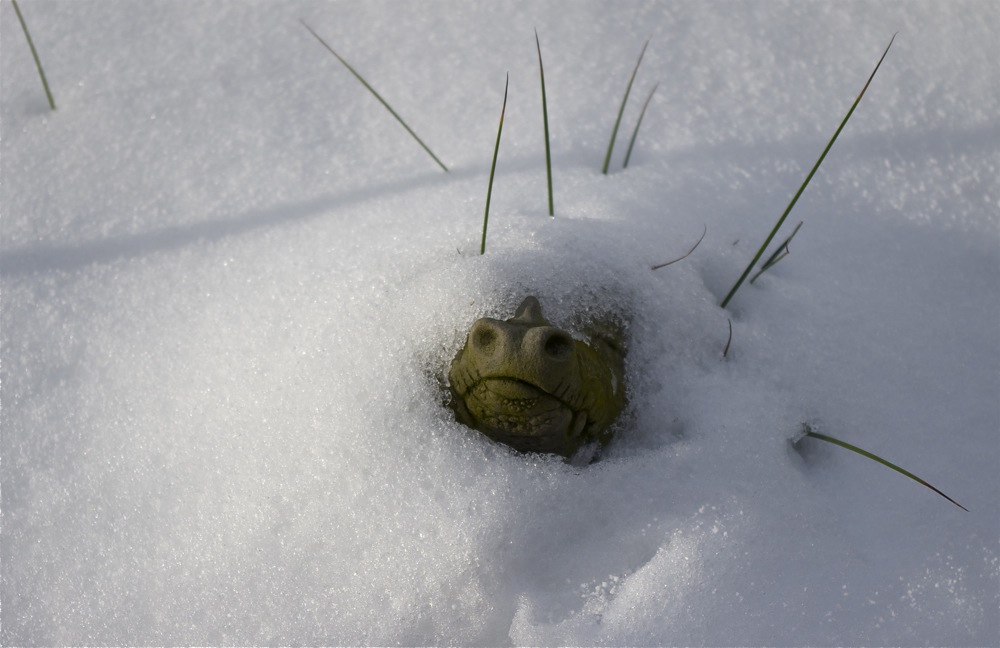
(232, 285)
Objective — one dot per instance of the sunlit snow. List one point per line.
(232, 285)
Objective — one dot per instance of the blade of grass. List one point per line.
(545, 120)
(681, 258)
(376, 95)
(621, 110)
(34, 54)
(493, 167)
(729, 340)
(642, 114)
(798, 193)
(778, 255)
(864, 453)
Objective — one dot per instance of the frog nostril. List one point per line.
(558, 345)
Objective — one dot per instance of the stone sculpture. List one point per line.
(534, 387)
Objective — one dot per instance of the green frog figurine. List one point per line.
(532, 386)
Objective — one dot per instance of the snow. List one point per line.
(231, 287)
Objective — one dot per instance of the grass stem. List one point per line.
(493, 167)
(729, 340)
(545, 121)
(642, 113)
(864, 453)
(376, 94)
(34, 54)
(687, 254)
(798, 193)
(621, 110)
(778, 255)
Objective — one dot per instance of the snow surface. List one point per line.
(231, 286)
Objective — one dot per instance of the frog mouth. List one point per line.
(511, 408)
(514, 389)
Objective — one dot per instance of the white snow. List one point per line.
(232, 284)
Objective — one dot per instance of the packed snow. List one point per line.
(232, 285)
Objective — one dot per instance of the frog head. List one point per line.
(533, 386)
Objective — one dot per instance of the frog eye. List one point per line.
(484, 338)
(558, 345)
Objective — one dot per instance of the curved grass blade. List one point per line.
(493, 167)
(829, 439)
(798, 193)
(681, 258)
(618, 121)
(725, 352)
(545, 120)
(778, 255)
(34, 54)
(642, 114)
(376, 94)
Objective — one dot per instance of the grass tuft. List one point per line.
(545, 121)
(809, 432)
(642, 113)
(34, 54)
(621, 110)
(493, 167)
(778, 255)
(376, 94)
(798, 193)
